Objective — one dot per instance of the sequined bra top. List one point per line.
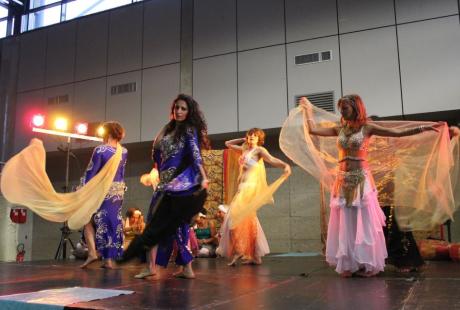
(353, 146)
(247, 160)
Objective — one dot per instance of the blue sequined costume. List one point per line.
(177, 198)
(107, 220)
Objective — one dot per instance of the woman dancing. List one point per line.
(180, 193)
(24, 181)
(104, 233)
(355, 240)
(242, 234)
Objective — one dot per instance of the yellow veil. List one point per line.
(24, 182)
(420, 166)
(252, 194)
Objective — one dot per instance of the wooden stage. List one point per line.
(280, 283)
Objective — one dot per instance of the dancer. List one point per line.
(355, 242)
(24, 182)
(181, 191)
(242, 234)
(104, 233)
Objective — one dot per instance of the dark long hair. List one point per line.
(195, 120)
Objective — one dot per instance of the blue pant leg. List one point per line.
(184, 254)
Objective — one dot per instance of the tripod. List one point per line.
(65, 230)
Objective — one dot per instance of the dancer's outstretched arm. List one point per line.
(308, 115)
(276, 162)
(378, 130)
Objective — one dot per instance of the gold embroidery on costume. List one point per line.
(352, 145)
(116, 190)
(348, 184)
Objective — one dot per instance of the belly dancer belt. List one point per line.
(117, 189)
(348, 183)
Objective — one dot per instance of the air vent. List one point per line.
(123, 88)
(58, 100)
(313, 58)
(324, 100)
(306, 59)
(325, 56)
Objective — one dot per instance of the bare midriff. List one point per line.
(350, 160)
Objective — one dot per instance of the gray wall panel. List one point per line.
(260, 23)
(160, 87)
(364, 14)
(32, 60)
(306, 19)
(262, 88)
(214, 29)
(161, 32)
(92, 40)
(28, 104)
(89, 103)
(125, 39)
(60, 54)
(215, 89)
(412, 10)
(430, 65)
(370, 69)
(315, 77)
(125, 107)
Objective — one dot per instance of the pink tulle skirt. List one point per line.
(355, 239)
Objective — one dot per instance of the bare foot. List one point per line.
(178, 271)
(346, 274)
(108, 264)
(251, 262)
(144, 274)
(235, 260)
(185, 275)
(89, 261)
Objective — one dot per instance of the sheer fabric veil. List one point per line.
(24, 182)
(422, 167)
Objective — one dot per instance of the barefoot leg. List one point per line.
(152, 255)
(90, 242)
(187, 272)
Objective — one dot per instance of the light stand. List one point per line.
(65, 230)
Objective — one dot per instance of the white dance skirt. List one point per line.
(355, 239)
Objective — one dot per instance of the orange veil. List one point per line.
(421, 167)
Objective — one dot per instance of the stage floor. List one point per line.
(280, 283)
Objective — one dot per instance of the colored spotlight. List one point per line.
(60, 124)
(100, 131)
(38, 120)
(81, 128)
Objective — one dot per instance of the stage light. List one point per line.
(38, 120)
(100, 131)
(60, 124)
(81, 128)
